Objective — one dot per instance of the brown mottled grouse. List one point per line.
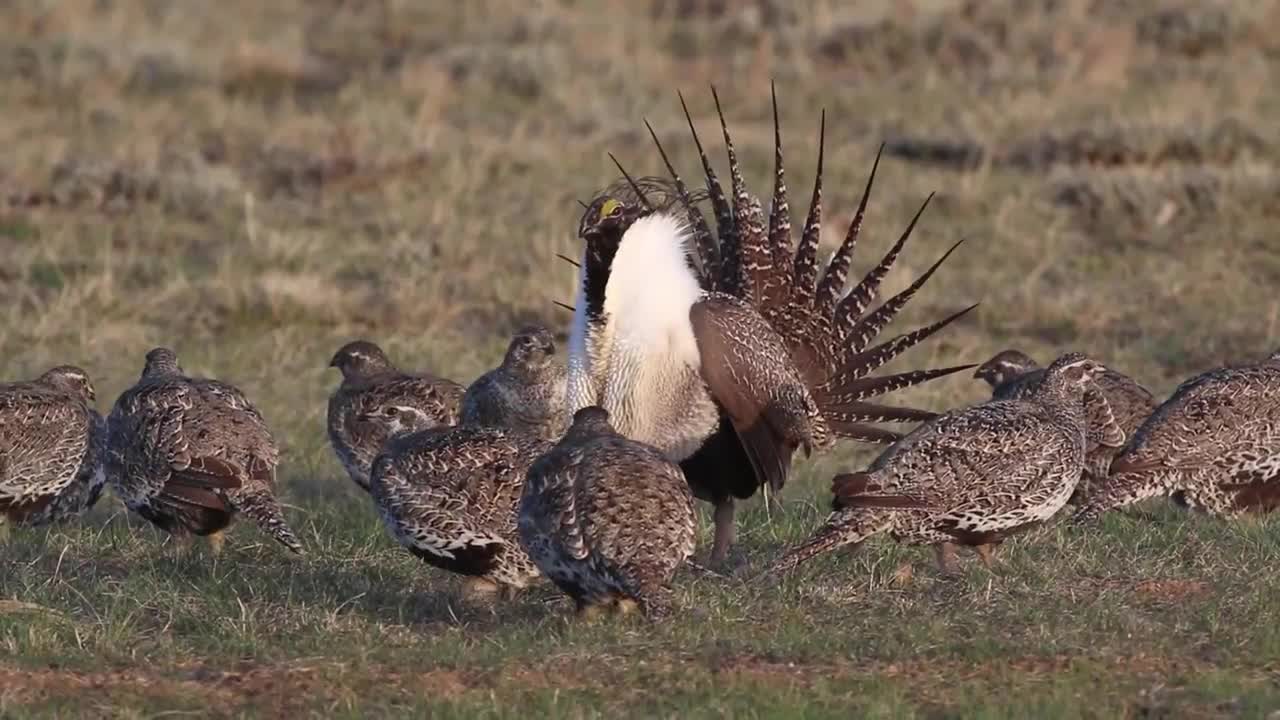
(970, 477)
(370, 380)
(188, 453)
(52, 442)
(729, 352)
(450, 495)
(526, 393)
(1214, 446)
(1114, 402)
(608, 519)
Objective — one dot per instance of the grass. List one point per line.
(257, 185)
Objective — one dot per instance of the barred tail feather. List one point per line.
(778, 283)
(840, 530)
(266, 513)
(859, 364)
(1126, 488)
(837, 272)
(720, 206)
(855, 303)
(870, 326)
(804, 272)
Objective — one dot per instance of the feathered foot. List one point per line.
(216, 541)
(481, 590)
(626, 606)
(591, 612)
(725, 533)
(986, 553)
(266, 512)
(946, 555)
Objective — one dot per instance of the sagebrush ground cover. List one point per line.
(256, 183)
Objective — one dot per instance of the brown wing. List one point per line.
(749, 373)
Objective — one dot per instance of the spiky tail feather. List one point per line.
(828, 332)
(266, 513)
(1126, 488)
(841, 529)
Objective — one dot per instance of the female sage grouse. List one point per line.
(370, 380)
(1114, 402)
(970, 477)
(728, 353)
(526, 393)
(1214, 446)
(450, 495)
(608, 519)
(51, 448)
(188, 453)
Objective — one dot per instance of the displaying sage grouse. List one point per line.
(52, 442)
(451, 495)
(970, 477)
(1213, 446)
(188, 453)
(370, 380)
(526, 393)
(729, 352)
(607, 519)
(1114, 402)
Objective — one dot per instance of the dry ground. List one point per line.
(256, 183)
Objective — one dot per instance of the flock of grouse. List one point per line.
(698, 364)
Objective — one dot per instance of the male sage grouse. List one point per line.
(188, 453)
(526, 393)
(1213, 446)
(1114, 402)
(607, 519)
(51, 448)
(970, 477)
(729, 352)
(370, 380)
(450, 495)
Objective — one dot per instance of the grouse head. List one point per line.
(70, 379)
(161, 361)
(1004, 367)
(359, 359)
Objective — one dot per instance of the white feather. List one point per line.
(651, 288)
(579, 384)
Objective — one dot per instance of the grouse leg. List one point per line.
(724, 532)
(946, 555)
(985, 554)
(481, 590)
(216, 541)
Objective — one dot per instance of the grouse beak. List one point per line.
(93, 395)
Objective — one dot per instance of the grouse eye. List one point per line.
(610, 208)
(391, 412)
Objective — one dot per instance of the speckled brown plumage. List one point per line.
(450, 496)
(1115, 406)
(806, 326)
(969, 477)
(607, 519)
(526, 393)
(52, 443)
(1213, 446)
(189, 453)
(371, 382)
